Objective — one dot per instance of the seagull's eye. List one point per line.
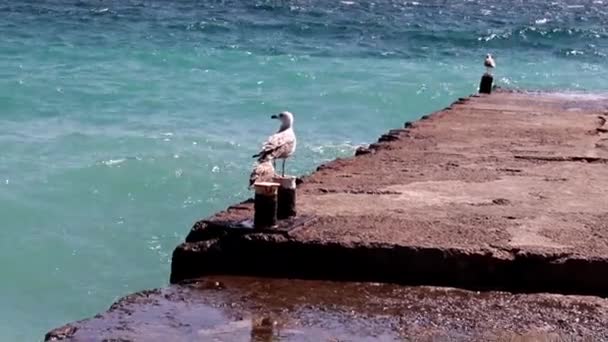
(281, 115)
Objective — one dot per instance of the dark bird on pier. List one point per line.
(262, 172)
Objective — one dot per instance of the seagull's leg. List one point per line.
(283, 168)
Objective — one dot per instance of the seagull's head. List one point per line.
(286, 119)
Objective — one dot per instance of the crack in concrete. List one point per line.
(564, 159)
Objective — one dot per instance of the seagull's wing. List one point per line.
(284, 149)
(277, 145)
(263, 172)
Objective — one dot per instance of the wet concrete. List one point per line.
(254, 309)
(506, 192)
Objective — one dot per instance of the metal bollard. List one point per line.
(265, 205)
(286, 197)
(485, 86)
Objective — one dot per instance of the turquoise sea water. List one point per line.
(123, 122)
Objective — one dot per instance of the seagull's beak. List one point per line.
(274, 117)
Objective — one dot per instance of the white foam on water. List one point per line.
(111, 162)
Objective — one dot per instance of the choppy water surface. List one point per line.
(122, 122)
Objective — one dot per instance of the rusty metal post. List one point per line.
(265, 205)
(286, 197)
(485, 86)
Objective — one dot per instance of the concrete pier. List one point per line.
(506, 191)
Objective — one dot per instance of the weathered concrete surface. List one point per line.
(507, 191)
(253, 309)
